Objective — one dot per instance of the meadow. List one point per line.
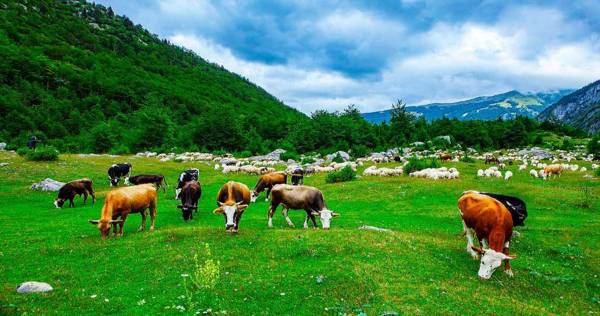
(421, 267)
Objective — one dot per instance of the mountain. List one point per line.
(506, 105)
(82, 78)
(580, 109)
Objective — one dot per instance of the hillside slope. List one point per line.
(84, 79)
(580, 109)
(505, 105)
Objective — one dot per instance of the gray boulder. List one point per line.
(34, 287)
(47, 185)
(2, 146)
(536, 152)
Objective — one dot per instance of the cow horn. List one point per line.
(334, 214)
(114, 221)
(478, 250)
(315, 213)
(218, 210)
(220, 203)
(94, 221)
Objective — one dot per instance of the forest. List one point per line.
(95, 82)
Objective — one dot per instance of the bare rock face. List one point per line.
(33, 287)
(580, 109)
(47, 185)
(345, 156)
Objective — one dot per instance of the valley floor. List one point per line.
(421, 267)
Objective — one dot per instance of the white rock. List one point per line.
(33, 287)
(47, 185)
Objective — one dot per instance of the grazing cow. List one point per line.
(491, 222)
(191, 174)
(124, 201)
(157, 179)
(491, 159)
(75, 187)
(298, 176)
(116, 171)
(300, 197)
(554, 169)
(233, 199)
(267, 181)
(445, 157)
(190, 194)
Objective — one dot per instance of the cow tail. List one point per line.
(285, 178)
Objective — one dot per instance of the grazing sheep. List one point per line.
(508, 175)
(533, 173)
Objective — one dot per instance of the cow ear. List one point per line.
(220, 203)
(478, 250)
(242, 207)
(218, 210)
(93, 221)
(314, 213)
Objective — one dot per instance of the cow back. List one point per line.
(516, 207)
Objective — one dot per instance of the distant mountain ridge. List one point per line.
(579, 109)
(505, 105)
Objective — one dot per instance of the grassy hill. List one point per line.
(84, 79)
(421, 267)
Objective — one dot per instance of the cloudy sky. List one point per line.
(328, 54)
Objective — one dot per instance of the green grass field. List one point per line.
(419, 268)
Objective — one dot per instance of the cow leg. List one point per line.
(272, 209)
(268, 193)
(71, 203)
(123, 218)
(93, 197)
(287, 218)
(306, 221)
(85, 195)
(312, 218)
(469, 234)
(507, 268)
(152, 217)
(143, 225)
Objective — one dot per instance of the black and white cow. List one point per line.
(192, 174)
(116, 171)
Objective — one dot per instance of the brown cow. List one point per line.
(267, 181)
(124, 201)
(489, 220)
(445, 157)
(233, 199)
(75, 187)
(491, 159)
(554, 169)
(301, 197)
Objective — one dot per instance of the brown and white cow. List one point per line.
(554, 169)
(232, 199)
(300, 197)
(445, 157)
(487, 219)
(124, 201)
(75, 187)
(266, 182)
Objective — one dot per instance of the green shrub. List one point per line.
(219, 152)
(338, 158)
(120, 150)
(22, 151)
(342, 175)
(42, 153)
(307, 160)
(467, 159)
(416, 164)
(289, 155)
(597, 172)
(359, 151)
(435, 163)
(244, 154)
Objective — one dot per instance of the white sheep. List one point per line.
(533, 173)
(508, 175)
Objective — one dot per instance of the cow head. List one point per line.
(326, 216)
(104, 225)
(113, 181)
(490, 261)
(253, 196)
(232, 214)
(59, 202)
(187, 211)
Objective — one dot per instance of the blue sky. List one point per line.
(328, 54)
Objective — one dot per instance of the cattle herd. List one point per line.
(488, 217)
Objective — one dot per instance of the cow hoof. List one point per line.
(509, 273)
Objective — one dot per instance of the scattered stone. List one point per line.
(34, 287)
(2, 146)
(4, 164)
(47, 185)
(320, 279)
(376, 229)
